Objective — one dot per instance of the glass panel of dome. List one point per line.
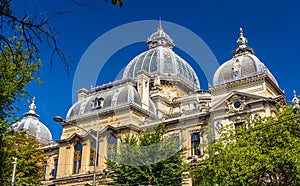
(147, 60)
(139, 63)
(130, 72)
(180, 66)
(168, 65)
(154, 62)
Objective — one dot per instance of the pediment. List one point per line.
(236, 101)
(73, 138)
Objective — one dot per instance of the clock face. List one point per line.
(237, 104)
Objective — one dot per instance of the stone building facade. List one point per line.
(159, 86)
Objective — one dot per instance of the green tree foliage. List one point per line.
(262, 152)
(148, 158)
(17, 69)
(30, 159)
(21, 36)
(35, 30)
(114, 2)
(119, 2)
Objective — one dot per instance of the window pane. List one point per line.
(74, 166)
(55, 168)
(77, 158)
(195, 144)
(111, 146)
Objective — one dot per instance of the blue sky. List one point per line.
(271, 27)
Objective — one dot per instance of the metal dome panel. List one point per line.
(248, 65)
(112, 98)
(164, 62)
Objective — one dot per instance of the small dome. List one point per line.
(107, 100)
(243, 64)
(32, 124)
(161, 60)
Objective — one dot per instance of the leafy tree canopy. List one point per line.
(147, 158)
(261, 152)
(20, 38)
(30, 159)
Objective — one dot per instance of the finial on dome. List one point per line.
(242, 40)
(242, 44)
(295, 100)
(241, 31)
(32, 106)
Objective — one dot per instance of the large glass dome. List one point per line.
(161, 60)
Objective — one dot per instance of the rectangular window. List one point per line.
(55, 168)
(77, 158)
(111, 147)
(93, 153)
(45, 170)
(238, 125)
(195, 144)
(177, 141)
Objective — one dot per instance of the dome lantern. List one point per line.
(242, 43)
(160, 38)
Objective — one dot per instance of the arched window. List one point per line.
(93, 153)
(111, 147)
(77, 158)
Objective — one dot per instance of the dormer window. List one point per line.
(98, 102)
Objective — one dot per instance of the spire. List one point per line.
(242, 43)
(160, 25)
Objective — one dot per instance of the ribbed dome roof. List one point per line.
(107, 100)
(32, 124)
(243, 64)
(161, 60)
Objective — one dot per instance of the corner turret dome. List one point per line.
(161, 60)
(32, 124)
(243, 64)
